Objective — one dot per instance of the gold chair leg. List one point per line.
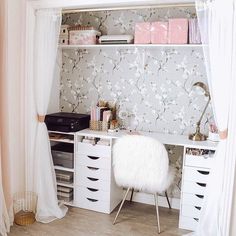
(157, 211)
(122, 203)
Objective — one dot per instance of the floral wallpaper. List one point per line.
(152, 87)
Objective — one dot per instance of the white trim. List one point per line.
(100, 4)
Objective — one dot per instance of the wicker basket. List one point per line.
(24, 206)
(99, 125)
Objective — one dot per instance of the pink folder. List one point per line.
(159, 32)
(142, 33)
(178, 31)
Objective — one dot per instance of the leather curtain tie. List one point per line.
(223, 134)
(41, 119)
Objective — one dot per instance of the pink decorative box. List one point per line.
(159, 32)
(178, 31)
(194, 32)
(81, 37)
(142, 33)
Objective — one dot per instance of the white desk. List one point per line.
(95, 188)
(179, 140)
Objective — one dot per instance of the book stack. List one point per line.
(101, 115)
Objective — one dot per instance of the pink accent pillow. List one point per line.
(159, 32)
(178, 31)
(142, 33)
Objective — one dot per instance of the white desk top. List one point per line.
(179, 140)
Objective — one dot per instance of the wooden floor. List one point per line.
(135, 219)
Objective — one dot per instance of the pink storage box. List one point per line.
(82, 37)
(178, 31)
(159, 32)
(142, 33)
(194, 32)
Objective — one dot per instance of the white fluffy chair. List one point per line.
(141, 163)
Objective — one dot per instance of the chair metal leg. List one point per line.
(132, 193)
(157, 211)
(167, 198)
(122, 203)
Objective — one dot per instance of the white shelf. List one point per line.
(61, 140)
(71, 203)
(58, 132)
(63, 168)
(130, 46)
(65, 185)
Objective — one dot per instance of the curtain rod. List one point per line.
(66, 11)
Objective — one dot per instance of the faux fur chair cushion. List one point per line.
(142, 163)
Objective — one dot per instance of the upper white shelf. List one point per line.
(129, 46)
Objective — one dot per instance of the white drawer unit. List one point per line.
(95, 188)
(196, 170)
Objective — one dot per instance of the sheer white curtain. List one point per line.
(47, 29)
(4, 216)
(217, 20)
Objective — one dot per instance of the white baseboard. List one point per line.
(149, 199)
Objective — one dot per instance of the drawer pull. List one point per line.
(203, 172)
(92, 168)
(198, 208)
(92, 200)
(92, 179)
(92, 189)
(199, 196)
(201, 184)
(93, 157)
(196, 219)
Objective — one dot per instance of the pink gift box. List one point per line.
(159, 32)
(82, 37)
(142, 33)
(178, 31)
